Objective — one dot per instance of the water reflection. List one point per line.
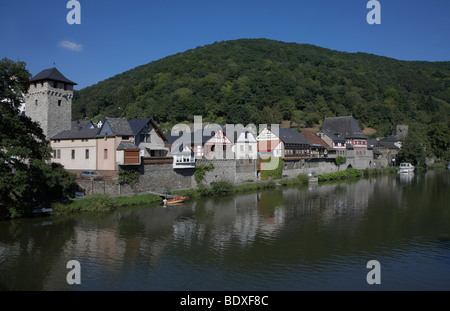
(299, 237)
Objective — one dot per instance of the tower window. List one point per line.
(73, 154)
(87, 153)
(36, 102)
(59, 102)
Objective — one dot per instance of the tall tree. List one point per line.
(27, 178)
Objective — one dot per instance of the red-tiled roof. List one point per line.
(313, 138)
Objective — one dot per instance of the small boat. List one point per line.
(42, 211)
(406, 168)
(175, 200)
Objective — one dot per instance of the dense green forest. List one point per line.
(265, 81)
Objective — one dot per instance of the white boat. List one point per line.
(406, 168)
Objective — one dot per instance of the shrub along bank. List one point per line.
(101, 203)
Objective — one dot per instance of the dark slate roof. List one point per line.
(137, 124)
(119, 127)
(51, 74)
(333, 137)
(387, 145)
(377, 152)
(346, 126)
(292, 136)
(83, 124)
(372, 142)
(77, 134)
(127, 145)
(188, 138)
(390, 138)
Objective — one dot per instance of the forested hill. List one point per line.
(265, 81)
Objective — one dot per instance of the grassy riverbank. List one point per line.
(351, 173)
(224, 187)
(101, 203)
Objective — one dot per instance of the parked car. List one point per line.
(90, 174)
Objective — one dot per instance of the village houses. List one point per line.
(117, 142)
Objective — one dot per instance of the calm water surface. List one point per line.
(298, 238)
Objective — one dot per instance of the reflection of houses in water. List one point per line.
(107, 246)
(272, 213)
(328, 203)
(247, 221)
(228, 220)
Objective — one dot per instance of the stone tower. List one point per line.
(49, 101)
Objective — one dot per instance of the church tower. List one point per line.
(49, 101)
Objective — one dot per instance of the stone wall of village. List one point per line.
(161, 177)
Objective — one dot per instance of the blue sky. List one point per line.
(115, 36)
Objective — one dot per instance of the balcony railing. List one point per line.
(183, 161)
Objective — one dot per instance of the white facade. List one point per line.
(246, 147)
(269, 144)
(77, 154)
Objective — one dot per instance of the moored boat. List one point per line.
(406, 168)
(175, 200)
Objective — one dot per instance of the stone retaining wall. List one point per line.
(159, 177)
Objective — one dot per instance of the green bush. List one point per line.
(200, 171)
(302, 179)
(222, 187)
(274, 174)
(95, 203)
(137, 199)
(128, 176)
(348, 173)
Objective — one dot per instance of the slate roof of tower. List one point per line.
(51, 74)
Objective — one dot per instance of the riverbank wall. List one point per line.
(159, 177)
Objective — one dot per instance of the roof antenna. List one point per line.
(54, 64)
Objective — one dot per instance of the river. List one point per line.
(316, 237)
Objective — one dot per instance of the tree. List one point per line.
(339, 161)
(27, 179)
(439, 137)
(414, 149)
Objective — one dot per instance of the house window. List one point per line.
(142, 137)
(242, 148)
(105, 153)
(73, 154)
(125, 137)
(54, 153)
(36, 102)
(250, 148)
(58, 153)
(59, 102)
(87, 153)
